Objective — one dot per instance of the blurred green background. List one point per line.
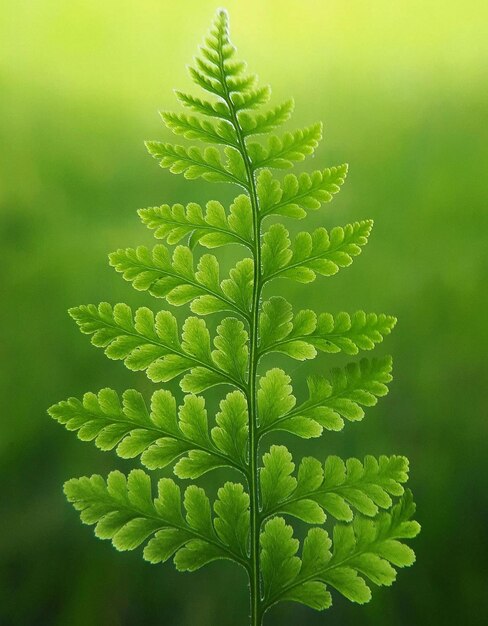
(402, 88)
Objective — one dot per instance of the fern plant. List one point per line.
(250, 520)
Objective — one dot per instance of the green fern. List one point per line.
(249, 523)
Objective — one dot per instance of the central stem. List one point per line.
(255, 521)
(256, 615)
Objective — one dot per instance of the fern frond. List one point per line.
(218, 62)
(207, 83)
(195, 163)
(176, 280)
(347, 391)
(262, 123)
(318, 253)
(300, 336)
(330, 401)
(211, 229)
(192, 127)
(350, 333)
(218, 109)
(252, 99)
(232, 518)
(124, 511)
(367, 498)
(366, 550)
(161, 435)
(282, 152)
(240, 84)
(221, 77)
(333, 487)
(280, 331)
(151, 343)
(296, 195)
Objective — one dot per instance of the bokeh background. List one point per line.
(403, 89)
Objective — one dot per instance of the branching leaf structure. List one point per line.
(359, 511)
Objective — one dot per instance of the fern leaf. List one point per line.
(279, 489)
(276, 410)
(230, 435)
(245, 523)
(301, 335)
(358, 384)
(213, 229)
(239, 286)
(231, 354)
(240, 84)
(361, 551)
(192, 127)
(280, 331)
(193, 162)
(218, 52)
(161, 435)
(282, 152)
(192, 437)
(318, 253)
(176, 280)
(262, 123)
(277, 482)
(218, 109)
(244, 101)
(219, 76)
(279, 564)
(331, 488)
(149, 343)
(123, 510)
(207, 83)
(107, 421)
(296, 195)
(232, 518)
(350, 333)
(217, 46)
(275, 397)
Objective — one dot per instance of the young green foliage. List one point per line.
(359, 511)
